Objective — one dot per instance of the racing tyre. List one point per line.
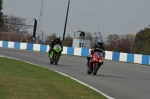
(95, 69)
(56, 59)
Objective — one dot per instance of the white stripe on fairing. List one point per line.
(63, 75)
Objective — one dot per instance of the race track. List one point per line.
(116, 79)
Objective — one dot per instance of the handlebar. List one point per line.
(99, 49)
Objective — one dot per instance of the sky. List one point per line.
(109, 16)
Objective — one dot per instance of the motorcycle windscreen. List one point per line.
(57, 48)
(99, 54)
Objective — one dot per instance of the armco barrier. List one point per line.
(116, 56)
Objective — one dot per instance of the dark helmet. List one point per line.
(100, 42)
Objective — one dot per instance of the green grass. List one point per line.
(20, 80)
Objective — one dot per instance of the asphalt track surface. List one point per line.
(116, 79)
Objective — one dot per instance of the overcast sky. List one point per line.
(110, 16)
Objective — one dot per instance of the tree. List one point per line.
(4, 28)
(120, 43)
(88, 35)
(1, 13)
(0, 35)
(68, 41)
(49, 38)
(14, 24)
(141, 43)
(112, 38)
(125, 43)
(112, 42)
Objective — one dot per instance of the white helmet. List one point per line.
(58, 37)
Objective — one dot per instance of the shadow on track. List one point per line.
(111, 76)
(61, 65)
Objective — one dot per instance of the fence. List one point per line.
(110, 55)
(16, 37)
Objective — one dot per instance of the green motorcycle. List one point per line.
(55, 54)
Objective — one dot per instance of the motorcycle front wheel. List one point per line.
(95, 69)
(56, 59)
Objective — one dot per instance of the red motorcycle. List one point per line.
(95, 63)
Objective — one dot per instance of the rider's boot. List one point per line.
(87, 64)
(102, 63)
(52, 59)
(91, 67)
(88, 59)
(49, 53)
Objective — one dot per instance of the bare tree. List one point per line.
(15, 24)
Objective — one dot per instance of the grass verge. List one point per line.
(20, 80)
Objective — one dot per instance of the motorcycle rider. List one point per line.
(96, 48)
(54, 42)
